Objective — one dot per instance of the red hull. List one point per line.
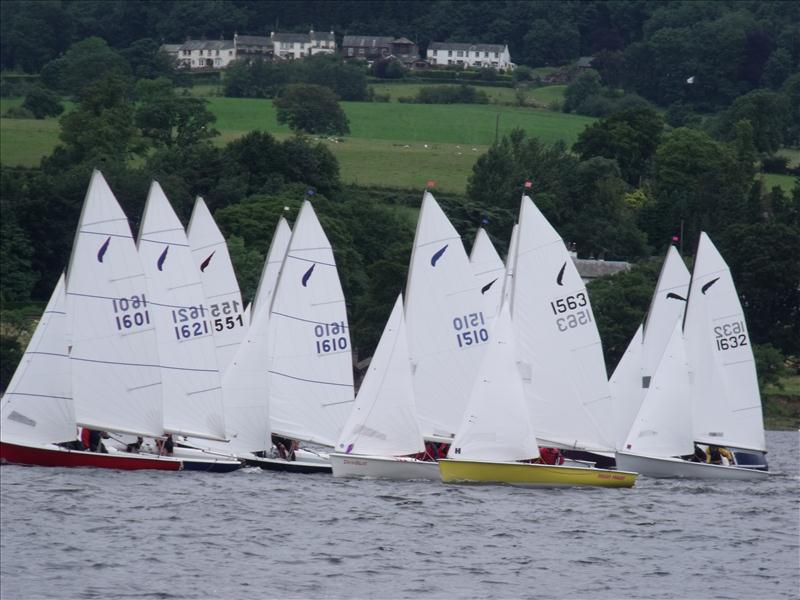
(42, 457)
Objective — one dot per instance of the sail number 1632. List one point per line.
(730, 335)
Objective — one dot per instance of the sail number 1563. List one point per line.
(571, 311)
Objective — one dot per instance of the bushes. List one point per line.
(448, 94)
(42, 103)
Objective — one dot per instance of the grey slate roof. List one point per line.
(585, 61)
(303, 38)
(253, 40)
(170, 48)
(590, 269)
(367, 41)
(207, 45)
(470, 47)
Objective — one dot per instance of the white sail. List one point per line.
(221, 290)
(37, 404)
(383, 421)
(489, 272)
(116, 382)
(626, 388)
(446, 322)
(311, 369)
(186, 351)
(663, 426)
(726, 402)
(272, 266)
(497, 424)
(667, 305)
(558, 340)
(245, 387)
(511, 260)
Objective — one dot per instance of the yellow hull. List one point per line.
(531, 475)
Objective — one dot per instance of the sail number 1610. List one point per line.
(330, 337)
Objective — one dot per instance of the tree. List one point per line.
(85, 63)
(147, 61)
(169, 119)
(311, 109)
(585, 86)
(767, 111)
(698, 180)
(630, 137)
(102, 126)
(10, 355)
(764, 265)
(43, 103)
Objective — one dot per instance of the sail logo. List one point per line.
(674, 296)
(307, 275)
(488, 286)
(704, 289)
(102, 251)
(437, 255)
(162, 258)
(560, 276)
(205, 263)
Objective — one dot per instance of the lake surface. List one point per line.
(68, 533)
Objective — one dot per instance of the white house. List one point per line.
(494, 56)
(206, 54)
(292, 46)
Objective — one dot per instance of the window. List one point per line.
(460, 53)
(217, 52)
(486, 55)
(361, 51)
(350, 51)
(497, 55)
(450, 53)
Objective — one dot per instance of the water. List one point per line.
(255, 534)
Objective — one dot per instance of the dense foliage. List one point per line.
(261, 79)
(311, 109)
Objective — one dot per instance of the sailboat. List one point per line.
(382, 430)
(245, 384)
(718, 401)
(310, 360)
(497, 437)
(36, 412)
(559, 346)
(109, 340)
(221, 290)
(631, 379)
(187, 356)
(446, 320)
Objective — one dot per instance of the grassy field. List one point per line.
(771, 180)
(391, 144)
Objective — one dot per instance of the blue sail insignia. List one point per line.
(307, 275)
(161, 259)
(435, 258)
(102, 251)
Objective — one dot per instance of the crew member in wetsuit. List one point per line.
(717, 455)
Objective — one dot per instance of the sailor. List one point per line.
(93, 440)
(166, 446)
(718, 455)
(135, 446)
(286, 447)
(551, 456)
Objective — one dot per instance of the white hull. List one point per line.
(661, 467)
(383, 467)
